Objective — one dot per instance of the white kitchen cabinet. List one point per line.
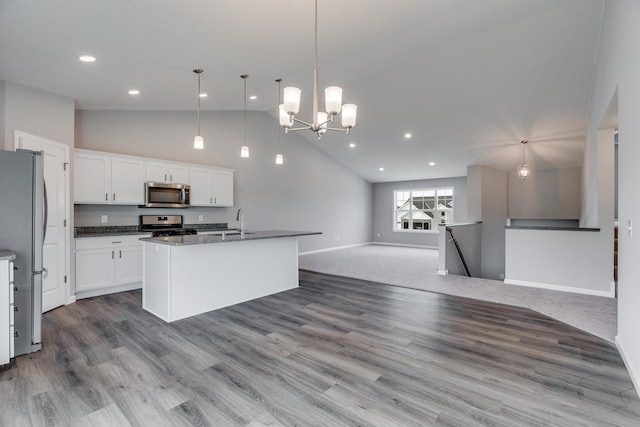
(7, 350)
(105, 179)
(92, 178)
(108, 264)
(166, 172)
(211, 187)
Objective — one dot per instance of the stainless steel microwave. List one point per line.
(163, 195)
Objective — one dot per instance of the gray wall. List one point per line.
(309, 192)
(546, 194)
(488, 203)
(36, 112)
(383, 201)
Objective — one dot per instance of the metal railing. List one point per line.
(455, 242)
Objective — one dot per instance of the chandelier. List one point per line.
(524, 170)
(333, 103)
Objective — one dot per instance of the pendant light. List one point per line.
(244, 150)
(332, 98)
(279, 156)
(198, 141)
(524, 170)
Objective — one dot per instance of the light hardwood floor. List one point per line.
(333, 352)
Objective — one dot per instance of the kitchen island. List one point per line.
(188, 275)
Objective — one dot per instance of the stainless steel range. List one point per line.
(164, 225)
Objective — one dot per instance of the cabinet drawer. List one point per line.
(111, 241)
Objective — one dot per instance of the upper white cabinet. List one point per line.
(105, 178)
(100, 178)
(166, 172)
(211, 187)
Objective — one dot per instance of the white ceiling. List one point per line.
(469, 79)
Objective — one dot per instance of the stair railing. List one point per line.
(455, 242)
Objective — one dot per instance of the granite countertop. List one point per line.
(123, 230)
(543, 227)
(10, 255)
(232, 237)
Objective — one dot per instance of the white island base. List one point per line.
(184, 280)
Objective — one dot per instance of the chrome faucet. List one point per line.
(241, 225)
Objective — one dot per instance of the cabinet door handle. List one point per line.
(120, 254)
(114, 196)
(171, 177)
(106, 197)
(112, 255)
(210, 200)
(165, 176)
(215, 200)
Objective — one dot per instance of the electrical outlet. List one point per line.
(630, 228)
(502, 275)
(337, 237)
(103, 219)
(200, 218)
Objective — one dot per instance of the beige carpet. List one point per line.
(417, 268)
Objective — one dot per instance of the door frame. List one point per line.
(67, 200)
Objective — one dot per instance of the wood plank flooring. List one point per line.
(333, 352)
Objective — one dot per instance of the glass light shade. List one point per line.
(292, 99)
(198, 143)
(333, 99)
(244, 151)
(279, 159)
(322, 118)
(349, 115)
(523, 171)
(285, 119)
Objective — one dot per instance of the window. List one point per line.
(422, 210)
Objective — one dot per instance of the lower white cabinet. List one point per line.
(6, 310)
(108, 264)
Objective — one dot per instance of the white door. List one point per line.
(56, 160)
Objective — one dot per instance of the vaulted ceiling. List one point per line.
(468, 79)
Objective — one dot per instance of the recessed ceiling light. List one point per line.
(134, 92)
(253, 97)
(381, 169)
(87, 58)
(203, 95)
(432, 163)
(407, 135)
(352, 145)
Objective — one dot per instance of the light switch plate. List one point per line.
(103, 219)
(200, 218)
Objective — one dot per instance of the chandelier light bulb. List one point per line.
(322, 122)
(349, 115)
(285, 118)
(292, 99)
(333, 99)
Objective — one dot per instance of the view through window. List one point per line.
(422, 210)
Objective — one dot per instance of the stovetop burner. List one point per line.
(173, 232)
(164, 225)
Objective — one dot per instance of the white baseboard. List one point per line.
(607, 294)
(404, 245)
(443, 272)
(105, 291)
(334, 248)
(635, 379)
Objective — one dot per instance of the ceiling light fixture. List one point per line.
(244, 150)
(407, 135)
(198, 141)
(87, 58)
(253, 97)
(134, 92)
(279, 156)
(332, 99)
(524, 170)
(203, 95)
(432, 163)
(381, 169)
(352, 145)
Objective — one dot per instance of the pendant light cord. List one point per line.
(244, 77)
(279, 81)
(198, 104)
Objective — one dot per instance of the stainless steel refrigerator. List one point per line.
(22, 230)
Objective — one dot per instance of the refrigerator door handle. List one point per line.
(46, 212)
(45, 273)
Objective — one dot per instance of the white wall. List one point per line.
(309, 192)
(383, 201)
(546, 194)
(618, 69)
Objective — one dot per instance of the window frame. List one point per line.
(436, 212)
